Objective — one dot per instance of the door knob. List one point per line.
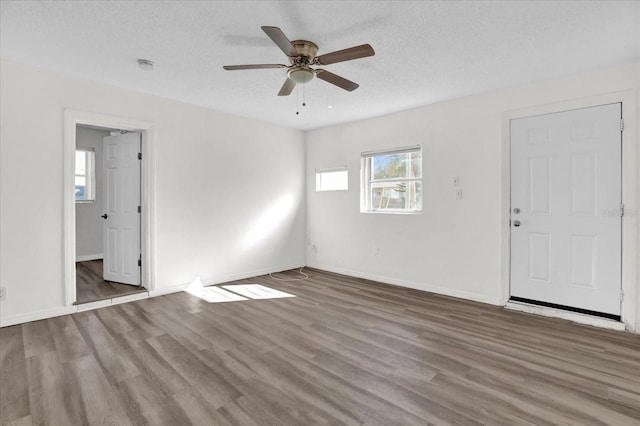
(104, 216)
(516, 223)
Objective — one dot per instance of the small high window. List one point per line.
(392, 180)
(85, 175)
(333, 179)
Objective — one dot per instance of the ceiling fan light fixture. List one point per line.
(301, 75)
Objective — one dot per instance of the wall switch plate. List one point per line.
(458, 194)
(3, 293)
(456, 181)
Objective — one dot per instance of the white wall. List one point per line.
(88, 220)
(229, 190)
(454, 247)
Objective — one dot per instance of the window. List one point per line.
(392, 181)
(85, 174)
(333, 179)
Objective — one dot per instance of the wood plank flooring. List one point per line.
(344, 351)
(91, 287)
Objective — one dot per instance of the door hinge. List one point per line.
(622, 124)
(621, 210)
(139, 209)
(139, 156)
(621, 295)
(140, 261)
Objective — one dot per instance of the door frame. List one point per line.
(631, 302)
(72, 118)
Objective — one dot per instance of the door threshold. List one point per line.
(115, 300)
(576, 317)
(134, 290)
(565, 308)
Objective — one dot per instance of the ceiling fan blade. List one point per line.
(280, 40)
(341, 82)
(252, 67)
(356, 52)
(287, 87)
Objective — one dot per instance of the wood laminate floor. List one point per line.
(345, 351)
(91, 287)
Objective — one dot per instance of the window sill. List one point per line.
(85, 201)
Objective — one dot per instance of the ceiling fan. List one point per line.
(302, 55)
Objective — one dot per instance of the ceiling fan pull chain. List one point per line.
(297, 100)
(304, 86)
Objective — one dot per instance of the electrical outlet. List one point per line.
(3, 293)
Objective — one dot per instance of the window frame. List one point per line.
(369, 183)
(321, 171)
(89, 175)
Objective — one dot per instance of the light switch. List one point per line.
(458, 193)
(456, 181)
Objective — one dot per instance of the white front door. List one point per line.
(566, 228)
(121, 192)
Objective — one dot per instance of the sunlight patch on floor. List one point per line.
(257, 291)
(215, 294)
(233, 293)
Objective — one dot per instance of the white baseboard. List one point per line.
(168, 290)
(255, 273)
(38, 315)
(568, 315)
(445, 291)
(222, 280)
(87, 257)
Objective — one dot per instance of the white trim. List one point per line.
(571, 316)
(332, 169)
(398, 150)
(88, 257)
(445, 291)
(35, 316)
(228, 278)
(72, 118)
(630, 309)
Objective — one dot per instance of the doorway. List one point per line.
(107, 197)
(144, 263)
(566, 217)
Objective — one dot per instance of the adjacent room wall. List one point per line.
(454, 246)
(229, 198)
(88, 220)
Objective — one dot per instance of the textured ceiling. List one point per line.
(425, 51)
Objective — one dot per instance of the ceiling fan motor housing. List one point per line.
(301, 73)
(306, 49)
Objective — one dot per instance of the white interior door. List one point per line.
(121, 192)
(566, 228)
